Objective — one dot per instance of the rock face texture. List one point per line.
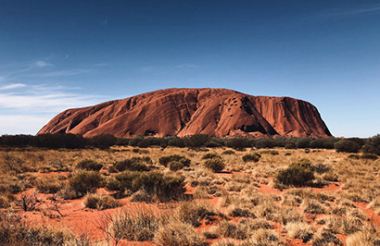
(182, 112)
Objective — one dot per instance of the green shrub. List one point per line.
(297, 174)
(303, 143)
(264, 143)
(210, 156)
(322, 143)
(154, 183)
(239, 143)
(164, 186)
(347, 146)
(133, 164)
(372, 145)
(100, 202)
(89, 165)
(290, 146)
(197, 140)
(228, 152)
(165, 160)
(122, 181)
(255, 157)
(85, 181)
(102, 141)
(369, 156)
(175, 166)
(215, 164)
(271, 152)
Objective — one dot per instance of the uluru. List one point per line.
(184, 112)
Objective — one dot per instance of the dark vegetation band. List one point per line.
(71, 141)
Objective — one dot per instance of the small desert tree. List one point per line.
(372, 145)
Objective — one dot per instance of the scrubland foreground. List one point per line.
(180, 196)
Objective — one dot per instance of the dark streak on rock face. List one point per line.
(182, 112)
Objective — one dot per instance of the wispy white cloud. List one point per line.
(60, 73)
(42, 99)
(11, 86)
(42, 64)
(27, 108)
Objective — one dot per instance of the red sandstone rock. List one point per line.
(182, 112)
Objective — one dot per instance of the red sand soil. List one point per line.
(183, 112)
(86, 221)
(80, 220)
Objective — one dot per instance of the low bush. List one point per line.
(228, 152)
(175, 166)
(193, 212)
(290, 146)
(354, 156)
(90, 165)
(271, 152)
(122, 181)
(372, 145)
(154, 183)
(347, 146)
(83, 182)
(165, 160)
(215, 164)
(297, 174)
(210, 156)
(141, 196)
(197, 140)
(100, 202)
(368, 156)
(253, 157)
(164, 186)
(133, 164)
(239, 143)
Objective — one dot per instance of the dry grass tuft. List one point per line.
(325, 237)
(193, 212)
(312, 206)
(136, 223)
(100, 202)
(301, 231)
(178, 233)
(365, 237)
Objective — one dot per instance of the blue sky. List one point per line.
(62, 54)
